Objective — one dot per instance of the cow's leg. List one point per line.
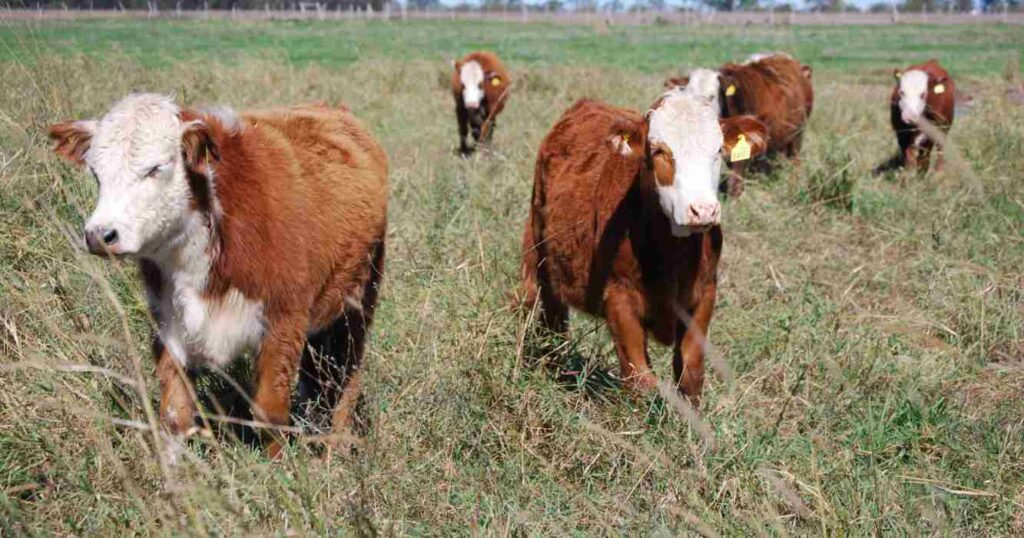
(793, 149)
(622, 310)
(910, 157)
(177, 406)
(924, 156)
(734, 179)
(940, 157)
(691, 337)
(462, 116)
(276, 367)
(529, 292)
(357, 326)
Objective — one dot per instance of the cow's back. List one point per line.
(579, 183)
(777, 92)
(304, 197)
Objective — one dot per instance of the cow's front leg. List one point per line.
(462, 117)
(622, 310)
(691, 340)
(276, 368)
(177, 406)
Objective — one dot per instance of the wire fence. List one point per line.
(319, 11)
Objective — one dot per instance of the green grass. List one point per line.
(871, 350)
(973, 50)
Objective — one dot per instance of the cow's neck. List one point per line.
(186, 259)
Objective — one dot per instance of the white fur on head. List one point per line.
(689, 126)
(135, 154)
(704, 84)
(913, 95)
(472, 77)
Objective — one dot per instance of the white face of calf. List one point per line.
(681, 142)
(704, 83)
(472, 76)
(135, 153)
(685, 144)
(913, 95)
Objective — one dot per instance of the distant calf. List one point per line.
(480, 86)
(921, 110)
(252, 232)
(624, 224)
(775, 88)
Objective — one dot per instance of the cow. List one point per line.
(624, 224)
(774, 87)
(921, 110)
(252, 231)
(480, 86)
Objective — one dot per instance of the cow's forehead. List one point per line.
(686, 123)
(139, 130)
(471, 74)
(703, 83)
(914, 81)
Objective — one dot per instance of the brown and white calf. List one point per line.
(254, 231)
(921, 110)
(480, 86)
(624, 225)
(775, 88)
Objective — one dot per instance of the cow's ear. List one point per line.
(728, 85)
(896, 74)
(627, 138)
(806, 71)
(198, 148)
(743, 137)
(73, 139)
(456, 65)
(676, 82)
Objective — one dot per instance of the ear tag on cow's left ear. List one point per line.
(496, 81)
(741, 151)
(939, 89)
(730, 91)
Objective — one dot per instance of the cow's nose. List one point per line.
(100, 240)
(472, 106)
(704, 213)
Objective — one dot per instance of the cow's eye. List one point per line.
(153, 171)
(901, 93)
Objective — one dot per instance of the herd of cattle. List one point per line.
(264, 231)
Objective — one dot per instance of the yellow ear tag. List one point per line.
(496, 81)
(939, 88)
(741, 151)
(625, 138)
(730, 91)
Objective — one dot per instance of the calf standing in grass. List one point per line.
(775, 88)
(252, 231)
(480, 85)
(624, 224)
(921, 110)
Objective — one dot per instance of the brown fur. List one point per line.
(597, 240)
(302, 198)
(939, 109)
(778, 91)
(494, 97)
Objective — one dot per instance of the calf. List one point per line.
(775, 88)
(921, 110)
(480, 85)
(624, 224)
(252, 231)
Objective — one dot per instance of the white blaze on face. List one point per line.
(704, 84)
(472, 77)
(913, 95)
(135, 154)
(689, 127)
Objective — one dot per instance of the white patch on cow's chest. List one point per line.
(199, 329)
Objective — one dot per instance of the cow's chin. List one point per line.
(686, 230)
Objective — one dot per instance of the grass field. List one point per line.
(869, 333)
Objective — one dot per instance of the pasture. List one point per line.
(868, 342)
